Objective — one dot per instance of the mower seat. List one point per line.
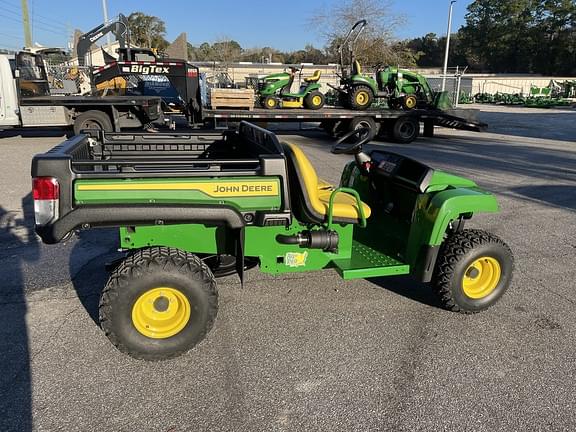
(315, 193)
(315, 77)
(356, 68)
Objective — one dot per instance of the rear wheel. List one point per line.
(404, 129)
(360, 98)
(314, 100)
(158, 303)
(92, 119)
(473, 270)
(270, 102)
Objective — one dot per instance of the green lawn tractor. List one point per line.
(402, 89)
(195, 206)
(274, 91)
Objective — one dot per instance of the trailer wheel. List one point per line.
(360, 97)
(314, 100)
(92, 119)
(364, 122)
(473, 270)
(158, 303)
(405, 129)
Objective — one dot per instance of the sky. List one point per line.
(253, 23)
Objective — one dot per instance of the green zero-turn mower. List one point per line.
(401, 88)
(196, 206)
(274, 90)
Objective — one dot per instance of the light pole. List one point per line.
(105, 10)
(447, 45)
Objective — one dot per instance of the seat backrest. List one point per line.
(356, 68)
(307, 174)
(303, 186)
(314, 77)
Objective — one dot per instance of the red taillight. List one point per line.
(45, 188)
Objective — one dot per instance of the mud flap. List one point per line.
(240, 255)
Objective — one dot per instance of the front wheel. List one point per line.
(360, 98)
(473, 270)
(270, 102)
(158, 303)
(314, 100)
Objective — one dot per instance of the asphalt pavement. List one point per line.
(312, 352)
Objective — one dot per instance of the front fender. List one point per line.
(449, 205)
(434, 213)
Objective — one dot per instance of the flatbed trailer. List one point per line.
(398, 125)
(184, 79)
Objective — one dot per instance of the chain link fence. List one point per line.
(456, 86)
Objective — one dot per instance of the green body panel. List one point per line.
(274, 82)
(303, 91)
(260, 242)
(446, 199)
(162, 192)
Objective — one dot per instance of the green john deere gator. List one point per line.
(195, 206)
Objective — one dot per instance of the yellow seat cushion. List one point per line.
(319, 191)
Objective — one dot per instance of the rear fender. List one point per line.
(362, 80)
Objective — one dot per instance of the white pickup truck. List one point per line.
(25, 101)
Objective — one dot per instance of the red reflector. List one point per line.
(45, 188)
(191, 73)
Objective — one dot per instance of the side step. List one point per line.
(367, 262)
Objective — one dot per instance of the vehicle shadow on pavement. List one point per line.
(36, 133)
(90, 280)
(563, 196)
(19, 245)
(407, 287)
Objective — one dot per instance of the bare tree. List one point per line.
(376, 45)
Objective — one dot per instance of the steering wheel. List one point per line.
(339, 147)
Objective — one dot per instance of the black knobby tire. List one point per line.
(270, 102)
(405, 129)
(456, 255)
(148, 269)
(365, 122)
(394, 103)
(92, 119)
(360, 103)
(314, 100)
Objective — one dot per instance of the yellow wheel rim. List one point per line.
(411, 102)
(316, 100)
(271, 103)
(361, 98)
(481, 277)
(161, 313)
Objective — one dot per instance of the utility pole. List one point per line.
(445, 71)
(105, 9)
(26, 24)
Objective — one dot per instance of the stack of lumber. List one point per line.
(232, 98)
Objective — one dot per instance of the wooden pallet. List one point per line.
(232, 98)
